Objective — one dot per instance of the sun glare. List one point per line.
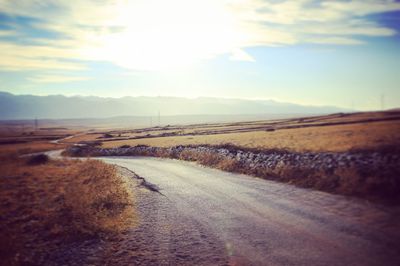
(164, 35)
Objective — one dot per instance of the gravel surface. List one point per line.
(163, 236)
(368, 174)
(205, 216)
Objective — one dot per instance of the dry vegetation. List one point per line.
(46, 204)
(21, 134)
(213, 160)
(14, 141)
(372, 175)
(335, 138)
(83, 138)
(362, 133)
(29, 147)
(372, 183)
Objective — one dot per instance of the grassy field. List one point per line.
(50, 203)
(46, 204)
(358, 133)
(29, 147)
(15, 140)
(18, 133)
(334, 133)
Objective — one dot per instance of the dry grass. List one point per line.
(211, 159)
(376, 180)
(25, 148)
(361, 132)
(15, 131)
(335, 138)
(15, 142)
(101, 197)
(85, 137)
(47, 205)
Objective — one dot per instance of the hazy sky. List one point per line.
(343, 53)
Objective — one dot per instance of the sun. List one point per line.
(164, 35)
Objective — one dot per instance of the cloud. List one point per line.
(56, 78)
(158, 34)
(335, 40)
(308, 20)
(16, 57)
(240, 55)
(349, 28)
(362, 8)
(294, 12)
(7, 33)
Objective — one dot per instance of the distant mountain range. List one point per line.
(13, 107)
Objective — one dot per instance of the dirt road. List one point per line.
(208, 217)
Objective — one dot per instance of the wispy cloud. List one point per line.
(16, 57)
(308, 21)
(240, 55)
(335, 40)
(154, 34)
(56, 78)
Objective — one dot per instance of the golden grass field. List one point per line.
(30, 147)
(13, 140)
(59, 201)
(52, 203)
(326, 133)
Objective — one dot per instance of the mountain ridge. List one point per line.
(77, 107)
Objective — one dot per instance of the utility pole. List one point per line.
(36, 124)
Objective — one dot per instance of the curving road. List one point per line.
(249, 221)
